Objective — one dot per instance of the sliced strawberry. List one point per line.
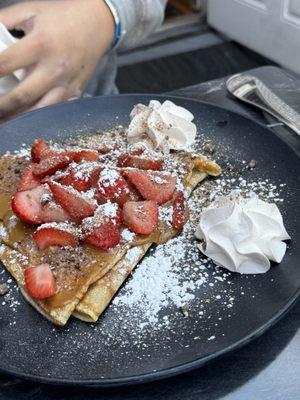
(80, 183)
(40, 282)
(94, 176)
(134, 193)
(137, 151)
(39, 150)
(58, 235)
(112, 186)
(72, 201)
(55, 153)
(53, 212)
(27, 205)
(141, 216)
(153, 185)
(103, 229)
(180, 211)
(50, 165)
(128, 160)
(104, 237)
(28, 180)
(82, 176)
(36, 207)
(87, 155)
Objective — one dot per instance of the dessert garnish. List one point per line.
(167, 125)
(242, 234)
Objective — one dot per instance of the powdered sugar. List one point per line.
(2, 249)
(127, 235)
(157, 282)
(108, 177)
(84, 170)
(104, 213)
(157, 179)
(23, 152)
(109, 209)
(174, 272)
(133, 255)
(3, 232)
(90, 193)
(165, 214)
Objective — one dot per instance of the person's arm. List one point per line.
(64, 41)
(138, 19)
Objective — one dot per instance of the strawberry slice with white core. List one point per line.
(141, 217)
(27, 204)
(72, 201)
(50, 165)
(28, 181)
(103, 229)
(54, 234)
(36, 206)
(40, 282)
(156, 186)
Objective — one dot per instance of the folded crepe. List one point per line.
(102, 292)
(87, 278)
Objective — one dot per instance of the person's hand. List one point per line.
(63, 43)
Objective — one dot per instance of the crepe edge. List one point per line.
(109, 285)
(58, 316)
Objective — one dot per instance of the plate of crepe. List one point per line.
(150, 309)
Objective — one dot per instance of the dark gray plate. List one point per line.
(82, 354)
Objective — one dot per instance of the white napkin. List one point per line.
(8, 82)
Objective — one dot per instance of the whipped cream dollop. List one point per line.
(242, 234)
(166, 124)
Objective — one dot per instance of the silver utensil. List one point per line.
(253, 91)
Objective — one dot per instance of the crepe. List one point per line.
(88, 277)
(102, 292)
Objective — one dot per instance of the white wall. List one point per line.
(270, 27)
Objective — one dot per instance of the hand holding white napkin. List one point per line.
(8, 82)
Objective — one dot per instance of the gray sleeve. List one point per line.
(138, 19)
